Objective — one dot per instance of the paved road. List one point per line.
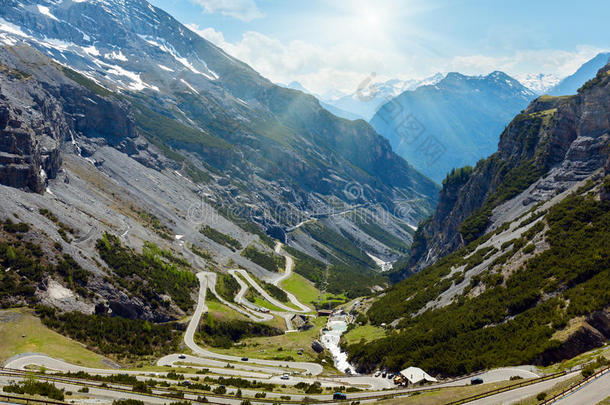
(520, 394)
(287, 273)
(309, 368)
(592, 393)
(254, 315)
(261, 290)
(108, 395)
(496, 375)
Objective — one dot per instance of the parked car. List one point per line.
(384, 374)
(181, 356)
(378, 373)
(244, 359)
(390, 376)
(476, 380)
(339, 395)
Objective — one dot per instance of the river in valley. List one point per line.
(337, 325)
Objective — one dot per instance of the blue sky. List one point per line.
(328, 44)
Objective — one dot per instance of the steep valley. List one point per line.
(175, 226)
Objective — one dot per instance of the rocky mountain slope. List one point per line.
(519, 246)
(265, 157)
(452, 123)
(554, 143)
(572, 83)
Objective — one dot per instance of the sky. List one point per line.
(334, 45)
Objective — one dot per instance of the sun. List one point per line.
(371, 18)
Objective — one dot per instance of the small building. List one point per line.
(415, 375)
(325, 312)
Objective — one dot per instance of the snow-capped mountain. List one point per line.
(452, 123)
(539, 83)
(371, 94)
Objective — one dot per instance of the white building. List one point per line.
(416, 375)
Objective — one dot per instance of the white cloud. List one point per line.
(245, 10)
(551, 61)
(343, 66)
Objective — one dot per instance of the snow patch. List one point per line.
(167, 48)
(116, 55)
(189, 86)
(12, 28)
(45, 11)
(166, 68)
(91, 50)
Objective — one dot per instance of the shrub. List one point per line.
(267, 261)
(220, 238)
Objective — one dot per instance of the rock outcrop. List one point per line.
(31, 129)
(594, 332)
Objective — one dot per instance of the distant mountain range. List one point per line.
(572, 83)
(539, 83)
(466, 118)
(366, 100)
(453, 123)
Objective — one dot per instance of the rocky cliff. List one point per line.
(554, 143)
(43, 110)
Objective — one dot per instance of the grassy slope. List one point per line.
(280, 346)
(302, 288)
(520, 322)
(223, 312)
(366, 332)
(307, 293)
(40, 339)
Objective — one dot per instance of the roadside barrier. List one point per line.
(22, 400)
(508, 388)
(576, 387)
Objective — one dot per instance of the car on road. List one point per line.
(181, 356)
(339, 395)
(476, 380)
(285, 377)
(244, 359)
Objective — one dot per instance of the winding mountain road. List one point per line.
(254, 315)
(287, 273)
(189, 341)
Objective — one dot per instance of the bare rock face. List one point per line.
(30, 136)
(554, 143)
(43, 109)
